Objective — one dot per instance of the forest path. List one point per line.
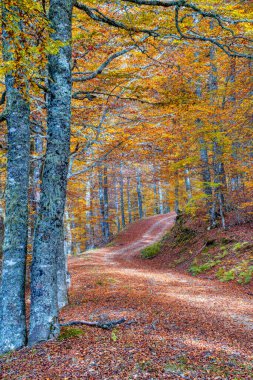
(181, 327)
(200, 313)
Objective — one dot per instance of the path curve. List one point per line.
(223, 304)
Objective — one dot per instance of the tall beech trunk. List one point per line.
(106, 204)
(122, 203)
(67, 234)
(116, 202)
(89, 214)
(154, 186)
(188, 186)
(35, 178)
(218, 206)
(176, 192)
(161, 206)
(48, 231)
(206, 176)
(129, 203)
(103, 202)
(62, 268)
(156, 208)
(139, 194)
(220, 180)
(12, 299)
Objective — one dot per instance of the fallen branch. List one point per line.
(106, 325)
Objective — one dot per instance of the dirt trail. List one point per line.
(185, 327)
(218, 299)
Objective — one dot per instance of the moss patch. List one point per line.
(70, 332)
(151, 251)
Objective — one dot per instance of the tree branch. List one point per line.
(101, 159)
(230, 52)
(104, 65)
(91, 95)
(96, 15)
(106, 325)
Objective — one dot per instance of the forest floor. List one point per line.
(178, 326)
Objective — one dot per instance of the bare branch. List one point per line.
(96, 15)
(106, 325)
(104, 65)
(101, 159)
(91, 95)
(227, 49)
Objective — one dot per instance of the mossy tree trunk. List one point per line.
(49, 227)
(12, 308)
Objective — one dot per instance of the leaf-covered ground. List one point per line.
(181, 327)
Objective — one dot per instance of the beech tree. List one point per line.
(48, 235)
(16, 114)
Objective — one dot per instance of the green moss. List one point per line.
(70, 332)
(243, 273)
(246, 275)
(238, 246)
(197, 269)
(151, 251)
(225, 276)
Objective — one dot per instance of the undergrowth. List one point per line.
(224, 254)
(151, 251)
(70, 332)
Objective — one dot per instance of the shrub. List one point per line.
(225, 276)
(197, 269)
(151, 251)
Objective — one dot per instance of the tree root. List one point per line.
(106, 325)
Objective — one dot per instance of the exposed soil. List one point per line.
(181, 327)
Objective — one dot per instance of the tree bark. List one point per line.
(48, 232)
(129, 205)
(122, 203)
(206, 176)
(106, 205)
(139, 194)
(161, 206)
(62, 268)
(188, 186)
(12, 299)
(116, 203)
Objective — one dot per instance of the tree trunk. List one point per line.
(116, 203)
(67, 234)
(89, 214)
(103, 201)
(220, 181)
(176, 203)
(62, 268)
(206, 177)
(160, 188)
(49, 226)
(35, 178)
(12, 308)
(129, 205)
(188, 186)
(218, 166)
(122, 206)
(106, 205)
(139, 194)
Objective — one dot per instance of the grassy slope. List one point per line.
(190, 246)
